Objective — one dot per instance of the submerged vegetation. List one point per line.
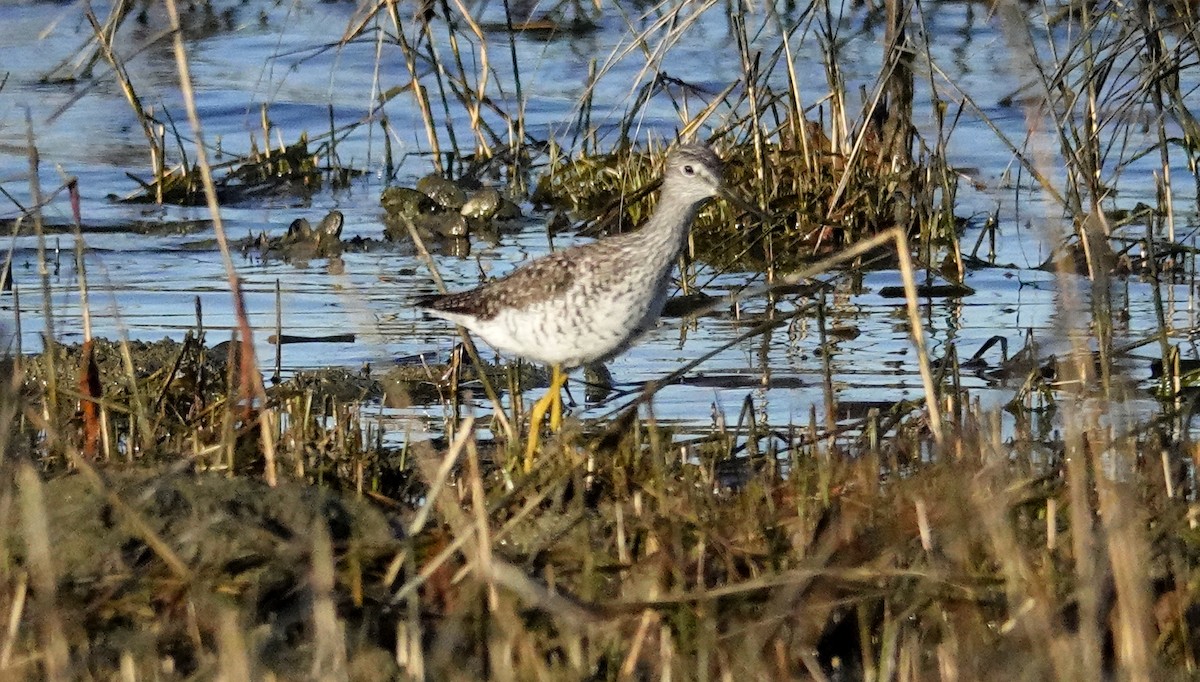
(172, 514)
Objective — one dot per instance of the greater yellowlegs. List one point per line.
(588, 303)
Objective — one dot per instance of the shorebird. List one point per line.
(589, 303)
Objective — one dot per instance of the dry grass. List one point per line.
(778, 552)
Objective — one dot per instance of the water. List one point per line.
(144, 282)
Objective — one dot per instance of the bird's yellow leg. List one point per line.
(552, 397)
(535, 428)
(557, 379)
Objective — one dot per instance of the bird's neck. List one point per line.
(667, 230)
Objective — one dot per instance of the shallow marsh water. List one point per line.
(143, 282)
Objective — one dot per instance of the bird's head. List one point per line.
(693, 174)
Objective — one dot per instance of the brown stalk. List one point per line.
(214, 209)
(42, 574)
(418, 90)
(90, 391)
(49, 339)
(104, 39)
(95, 416)
(233, 650)
(473, 107)
(329, 658)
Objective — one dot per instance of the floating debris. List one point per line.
(443, 192)
(406, 201)
(483, 204)
(303, 242)
(442, 209)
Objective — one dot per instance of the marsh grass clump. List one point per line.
(827, 183)
(146, 401)
(615, 192)
(285, 170)
(788, 552)
(143, 401)
(149, 388)
(590, 186)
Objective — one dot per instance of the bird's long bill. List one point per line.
(742, 204)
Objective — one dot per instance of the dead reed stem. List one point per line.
(42, 574)
(214, 208)
(48, 337)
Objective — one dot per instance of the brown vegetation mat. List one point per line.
(783, 556)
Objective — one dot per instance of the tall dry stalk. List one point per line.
(250, 365)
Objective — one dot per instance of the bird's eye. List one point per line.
(688, 170)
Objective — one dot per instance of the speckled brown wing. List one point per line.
(540, 280)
